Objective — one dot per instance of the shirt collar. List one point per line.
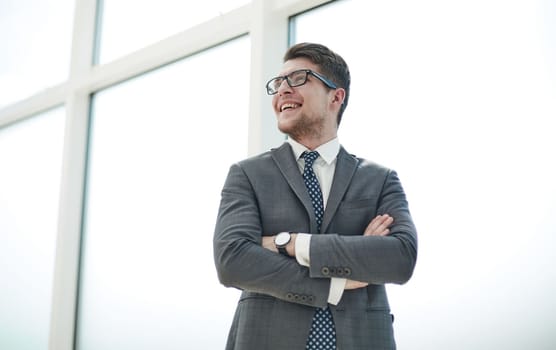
(328, 151)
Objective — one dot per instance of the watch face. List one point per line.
(282, 239)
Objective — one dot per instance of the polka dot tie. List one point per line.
(313, 185)
(322, 335)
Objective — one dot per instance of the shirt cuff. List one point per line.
(337, 286)
(302, 247)
(302, 244)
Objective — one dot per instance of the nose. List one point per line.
(284, 87)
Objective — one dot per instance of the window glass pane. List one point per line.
(160, 150)
(36, 42)
(128, 25)
(460, 98)
(31, 163)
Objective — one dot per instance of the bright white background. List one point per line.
(460, 99)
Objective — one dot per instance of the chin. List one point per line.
(285, 122)
(285, 128)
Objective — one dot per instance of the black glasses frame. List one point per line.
(272, 91)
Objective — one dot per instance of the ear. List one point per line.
(339, 96)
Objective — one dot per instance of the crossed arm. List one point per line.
(379, 226)
(246, 260)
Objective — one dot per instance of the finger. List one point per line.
(386, 223)
(268, 243)
(379, 229)
(378, 225)
(375, 223)
(351, 284)
(383, 228)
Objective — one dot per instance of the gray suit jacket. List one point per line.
(265, 195)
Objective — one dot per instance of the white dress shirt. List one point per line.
(323, 167)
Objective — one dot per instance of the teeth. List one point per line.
(289, 105)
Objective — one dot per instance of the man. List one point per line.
(311, 238)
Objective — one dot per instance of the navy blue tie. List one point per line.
(322, 334)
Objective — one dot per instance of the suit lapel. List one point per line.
(345, 169)
(283, 156)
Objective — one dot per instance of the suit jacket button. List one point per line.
(340, 271)
(325, 271)
(289, 296)
(347, 271)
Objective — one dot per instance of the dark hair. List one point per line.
(331, 64)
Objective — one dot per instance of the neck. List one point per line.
(313, 143)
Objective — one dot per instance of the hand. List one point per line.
(351, 284)
(379, 226)
(268, 243)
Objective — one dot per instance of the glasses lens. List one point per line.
(297, 78)
(273, 85)
(294, 79)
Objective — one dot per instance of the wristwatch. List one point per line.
(281, 241)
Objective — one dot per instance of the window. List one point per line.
(31, 163)
(128, 25)
(36, 44)
(161, 146)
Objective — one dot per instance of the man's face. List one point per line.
(306, 110)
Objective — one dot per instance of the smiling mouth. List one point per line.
(287, 106)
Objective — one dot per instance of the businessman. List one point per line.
(309, 232)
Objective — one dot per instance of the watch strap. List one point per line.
(283, 251)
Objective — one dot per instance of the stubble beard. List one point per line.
(304, 127)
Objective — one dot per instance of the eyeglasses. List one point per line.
(294, 79)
